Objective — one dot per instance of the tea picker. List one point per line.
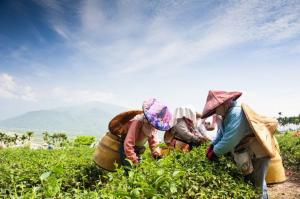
(129, 132)
(247, 135)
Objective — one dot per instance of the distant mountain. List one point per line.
(89, 119)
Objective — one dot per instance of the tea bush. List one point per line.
(71, 173)
(290, 149)
(179, 175)
(84, 140)
(58, 173)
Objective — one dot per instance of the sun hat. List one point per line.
(276, 173)
(157, 114)
(263, 128)
(216, 99)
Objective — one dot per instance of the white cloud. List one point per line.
(9, 89)
(127, 37)
(92, 17)
(27, 94)
(270, 21)
(54, 12)
(80, 96)
(164, 46)
(133, 36)
(7, 86)
(60, 30)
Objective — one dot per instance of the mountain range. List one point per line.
(86, 119)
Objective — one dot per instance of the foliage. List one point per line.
(59, 139)
(84, 140)
(70, 173)
(29, 134)
(290, 149)
(59, 173)
(179, 175)
(289, 120)
(13, 139)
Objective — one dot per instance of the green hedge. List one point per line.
(290, 149)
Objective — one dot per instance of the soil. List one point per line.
(297, 134)
(290, 189)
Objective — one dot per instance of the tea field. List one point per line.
(71, 173)
(289, 143)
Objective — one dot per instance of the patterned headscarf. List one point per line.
(157, 114)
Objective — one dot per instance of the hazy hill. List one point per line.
(91, 119)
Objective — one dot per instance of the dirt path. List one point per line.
(290, 189)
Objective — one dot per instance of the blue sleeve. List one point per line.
(219, 136)
(234, 131)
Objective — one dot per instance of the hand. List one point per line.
(210, 148)
(156, 155)
(211, 156)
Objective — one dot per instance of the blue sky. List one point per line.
(60, 53)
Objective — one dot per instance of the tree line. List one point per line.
(13, 139)
(55, 138)
(288, 120)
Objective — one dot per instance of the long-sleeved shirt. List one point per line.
(182, 132)
(235, 127)
(137, 136)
